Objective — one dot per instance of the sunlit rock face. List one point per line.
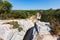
(43, 27)
(44, 32)
(26, 24)
(4, 30)
(6, 33)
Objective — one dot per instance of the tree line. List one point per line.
(7, 13)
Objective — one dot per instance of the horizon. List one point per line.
(34, 4)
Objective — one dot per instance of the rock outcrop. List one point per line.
(6, 33)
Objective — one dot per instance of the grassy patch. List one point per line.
(15, 25)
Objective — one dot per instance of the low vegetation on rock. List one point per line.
(15, 25)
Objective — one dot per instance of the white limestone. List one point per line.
(26, 24)
(42, 28)
(13, 34)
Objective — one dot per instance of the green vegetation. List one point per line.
(7, 13)
(5, 6)
(15, 25)
(47, 15)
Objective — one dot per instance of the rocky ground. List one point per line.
(6, 33)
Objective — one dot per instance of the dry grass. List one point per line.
(55, 27)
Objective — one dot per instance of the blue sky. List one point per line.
(34, 4)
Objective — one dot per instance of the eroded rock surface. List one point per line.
(6, 33)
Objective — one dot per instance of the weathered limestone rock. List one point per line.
(13, 34)
(26, 24)
(44, 32)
